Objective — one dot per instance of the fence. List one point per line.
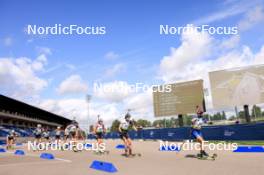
(227, 132)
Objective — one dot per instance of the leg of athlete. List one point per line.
(201, 141)
(126, 145)
(129, 144)
(7, 144)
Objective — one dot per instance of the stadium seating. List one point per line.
(20, 131)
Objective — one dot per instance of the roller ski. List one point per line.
(75, 149)
(97, 152)
(132, 155)
(204, 156)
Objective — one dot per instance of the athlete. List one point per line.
(58, 134)
(46, 135)
(72, 131)
(99, 131)
(38, 133)
(10, 139)
(197, 123)
(123, 130)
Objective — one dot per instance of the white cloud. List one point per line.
(8, 41)
(259, 57)
(78, 108)
(194, 47)
(72, 85)
(141, 105)
(70, 66)
(251, 18)
(230, 43)
(115, 91)
(39, 63)
(44, 50)
(116, 69)
(234, 8)
(18, 76)
(182, 65)
(111, 55)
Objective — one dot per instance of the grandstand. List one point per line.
(23, 118)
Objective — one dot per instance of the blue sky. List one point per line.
(132, 45)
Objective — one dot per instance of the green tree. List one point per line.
(168, 123)
(157, 123)
(187, 120)
(115, 125)
(206, 116)
(217, 116)
(256, 111)
(223, 115)
(143, 123)
(241, 114)
(232, 118)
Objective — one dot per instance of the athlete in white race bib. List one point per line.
(123, 131)
(99, 131)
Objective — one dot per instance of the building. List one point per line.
(19, 114)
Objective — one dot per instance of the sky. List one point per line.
(56, 72)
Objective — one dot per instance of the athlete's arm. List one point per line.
(95, 129)
(7, 139)
(104, 130)
(119, 128)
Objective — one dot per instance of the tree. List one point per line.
(223, 115)
(158, 123)
(207, 116)
(168, 123)
(115, 125)
(187, 120)
(217, 116)
(143, 123)
(241, 114)
(232, 118)
(256, 111)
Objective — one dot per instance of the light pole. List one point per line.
(88, 100)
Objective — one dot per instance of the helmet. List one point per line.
(58, 127)
(127, 116)
(13, 131)
(39, 125)
(75, 123)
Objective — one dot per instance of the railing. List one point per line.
(26, 118)
(253, 131)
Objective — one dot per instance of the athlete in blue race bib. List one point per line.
(197, 123)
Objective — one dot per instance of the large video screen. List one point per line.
(182, 99)
(238, 86)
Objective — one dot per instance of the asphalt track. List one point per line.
(152, 162)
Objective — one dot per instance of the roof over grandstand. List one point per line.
(13, 105)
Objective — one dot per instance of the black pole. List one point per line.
(180, 119)
(247, 116)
